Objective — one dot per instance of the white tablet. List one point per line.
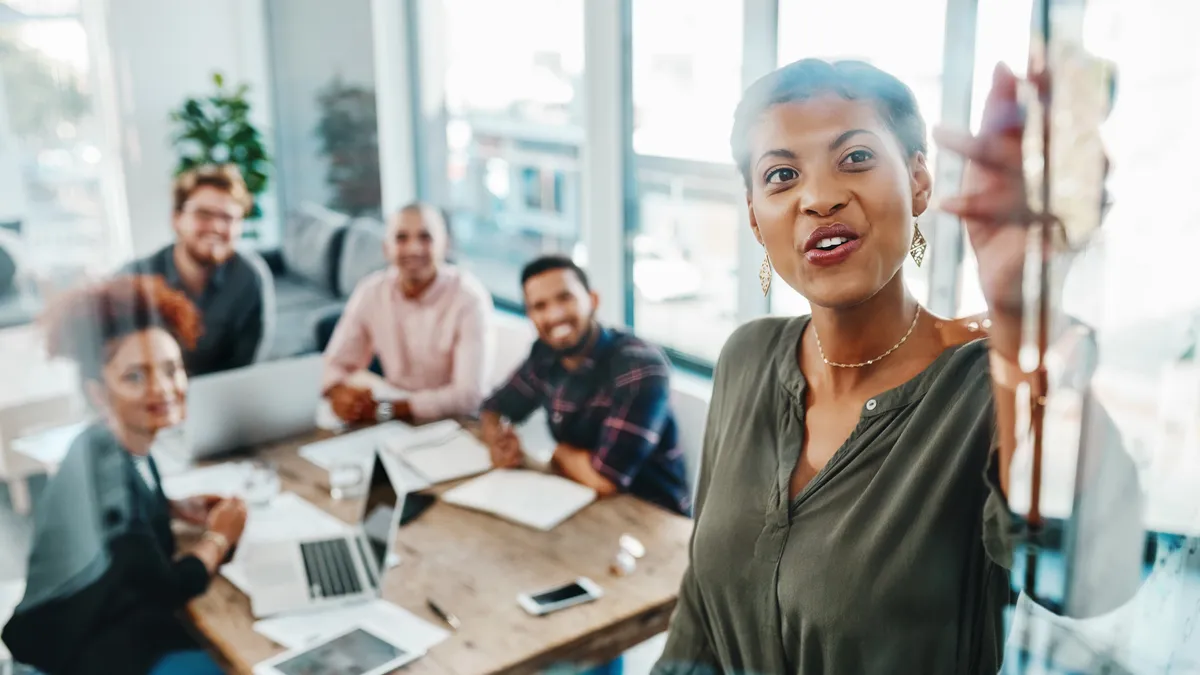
(358, 651)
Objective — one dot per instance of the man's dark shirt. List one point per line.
(231, 310)
(616, 405)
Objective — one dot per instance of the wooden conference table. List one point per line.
(474, 565)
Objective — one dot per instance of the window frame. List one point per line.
(415, 151)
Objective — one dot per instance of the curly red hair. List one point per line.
(82, 323)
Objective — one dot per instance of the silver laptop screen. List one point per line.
(379, 512)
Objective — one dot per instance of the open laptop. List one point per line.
(291, 575)
(249, 406)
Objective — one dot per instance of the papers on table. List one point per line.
(225, 480)
(351, 448)
(537, 500)
(287, 517)
(455, 456)
(390, 622)
(49, 446)
(397, 439)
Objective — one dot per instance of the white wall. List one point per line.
(311, 42)
(163, 52)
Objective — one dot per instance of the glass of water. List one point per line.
(262, 483)
(347, 481)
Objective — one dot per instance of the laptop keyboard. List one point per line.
(330, 568)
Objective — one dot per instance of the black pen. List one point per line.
(449, 618)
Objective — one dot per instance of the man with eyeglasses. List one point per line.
(228, 286)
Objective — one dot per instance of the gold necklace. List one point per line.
(874, 360)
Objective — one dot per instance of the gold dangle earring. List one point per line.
(917, 248)
(764, 272)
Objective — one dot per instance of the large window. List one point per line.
(323, 77)
(687, 61)
(1005, 40)
(905, 39)
(51, 200)
(514, 133)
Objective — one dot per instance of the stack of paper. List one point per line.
(288, 516)
(456, 456)
(395, 624)
(538, 500)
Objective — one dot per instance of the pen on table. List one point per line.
(442, 614)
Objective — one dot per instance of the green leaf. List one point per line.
(216, 127)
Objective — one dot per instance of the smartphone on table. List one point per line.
(567, 595)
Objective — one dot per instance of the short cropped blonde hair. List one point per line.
(224, 177)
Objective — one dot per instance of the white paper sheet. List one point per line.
(49, 446)
(434, 433)
(537, 500)
(226, 480)
(288, 516)
(391, 622)
(351, 448)
(403, 474)
(460, 456)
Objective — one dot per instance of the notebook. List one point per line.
(529, 498)
(455, 456)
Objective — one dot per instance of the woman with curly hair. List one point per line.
(105, 584)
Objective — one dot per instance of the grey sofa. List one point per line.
(322, 257)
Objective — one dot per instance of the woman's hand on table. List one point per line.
(228, 519)
(225, 524)
(195, 510)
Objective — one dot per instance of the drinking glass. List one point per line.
(262, 483)
(347, 481)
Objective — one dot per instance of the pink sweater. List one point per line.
(438, 347)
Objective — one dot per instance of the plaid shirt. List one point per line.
(616, 404)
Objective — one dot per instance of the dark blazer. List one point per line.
(104, 589)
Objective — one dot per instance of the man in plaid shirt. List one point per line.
(606, 395)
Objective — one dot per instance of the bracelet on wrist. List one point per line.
(219, 539)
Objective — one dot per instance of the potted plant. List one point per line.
(349, 138)
(216, 129)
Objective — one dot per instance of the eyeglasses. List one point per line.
(208, 216)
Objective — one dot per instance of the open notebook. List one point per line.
(530, 498)
(445, 458)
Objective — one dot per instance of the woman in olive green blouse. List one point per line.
(850, 514)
